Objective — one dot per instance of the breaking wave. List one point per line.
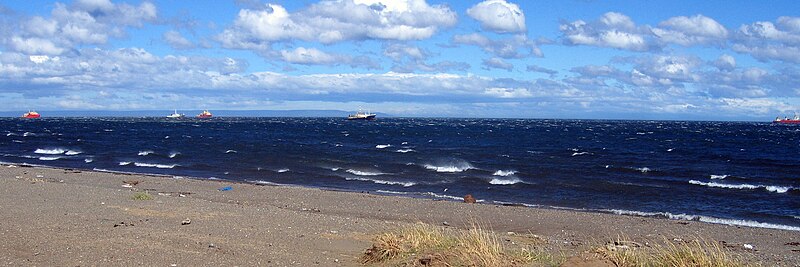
(49, 158)
(706, 219)
(719, 176)
(404, 184)
(580, 153)
(459, 166)
(55, 151)
(382, 146)
(643, 169)
(405, 150)
(145, 152)
(505, 181)
(174, 154)
(230, 151)
(150, 165)
(282, 170)
(771, 188)
(72, 152)
(504, 173)
(124, 163)
(364, 173)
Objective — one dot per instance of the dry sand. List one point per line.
(75, 218)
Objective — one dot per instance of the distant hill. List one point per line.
(163, 113)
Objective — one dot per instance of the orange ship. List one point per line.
(204, 115)
(31, 115)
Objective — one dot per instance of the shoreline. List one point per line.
(311, 226)
(439, 197)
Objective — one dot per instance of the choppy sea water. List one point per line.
(737, 173)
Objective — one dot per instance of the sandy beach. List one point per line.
(69, 217)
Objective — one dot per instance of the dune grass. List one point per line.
(142, 196)
(424, 244)
(694, 253)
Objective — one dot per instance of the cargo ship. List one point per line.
(204, 115)
(360, 115)
(31, 115)
(787, 120)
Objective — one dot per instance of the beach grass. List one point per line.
(425, 244)
(677, 253)
(142, 196)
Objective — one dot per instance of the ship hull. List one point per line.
(366, 118)
(203, 116)
(31, 116)
(787, 122)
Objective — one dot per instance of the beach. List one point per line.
(51, 216)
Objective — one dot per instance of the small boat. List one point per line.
(31, 115)
(176, 115)
(204, 115)
(787, 120)
(360, 115)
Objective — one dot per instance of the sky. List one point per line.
(579, 59)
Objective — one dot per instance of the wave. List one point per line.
(453, 167)
(282, 170)
(72, 152)
(26, 134)
(230, 151)
(404, 184)
(405, 150)
(10, 134)
(55, 151)
(124, 163)
(88, 160)
(643, 169)
(151, 165)
(580, 153)
(382, 146)
(448, 196)
(49, 158)
(364, 173)
(504, 173)
(174, 154)
(505, 181)
(145, 152)
(707, 219)
(771, 188)
(719, 176)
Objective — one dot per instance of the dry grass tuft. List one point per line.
(142, 196)
(424, 244)
(695, 253)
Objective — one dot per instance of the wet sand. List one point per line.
(65, 217)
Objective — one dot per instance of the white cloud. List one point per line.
(177, 41)
(689, 31)
(498, 16)
(725, 62)
(508, 92)
(498, 63)
(312, 56)
(517, 46)
(335, 21)
(613, 30)
(767, 41)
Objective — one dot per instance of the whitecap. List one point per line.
(364, 173)
(457, 167)
(580, 153)
(719, 176)
(404, 184)
(382, 146)
(49, 158)
(505, 181)
(643, 169)
(771, 188)
(174, 154)
(504, 173)
(404, 143)
(55, 151)
(669, 150)
(145, 152)
(405, 150)
(707, 219)
(72, 152)
(88, 160)
(26, 134)
(10, 134)
(282, 170)
(124, 163)
(230, 151)
(335, 169)
(151, 165)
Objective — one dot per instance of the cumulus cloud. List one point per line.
(498, 16)
(767, 41)
(177, 41)
(335, 21)
(689, 31)
(613, 30)
(535, 68)
(725, 62)
(85, 22)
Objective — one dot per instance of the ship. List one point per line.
(360, 115)
(204, 115)
(31, 115)
(176, 115)
(787, 120)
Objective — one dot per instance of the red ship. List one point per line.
(787, 120)
(31, 115)
(204, 115)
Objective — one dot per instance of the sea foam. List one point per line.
(382, 146)
(404, 184)
(719, 176)
(405, 150)
(771, 188)
(505, 181)
(145, 152)
(49, 158)
(454, 167)
(72, 152)
(364, 173)
(54, 151)
(504, 173)
(706, 219)
(151, 165)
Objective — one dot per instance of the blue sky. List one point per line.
(718, 60)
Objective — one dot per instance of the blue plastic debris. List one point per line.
(227, 188)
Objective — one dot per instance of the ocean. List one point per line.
(736, 173)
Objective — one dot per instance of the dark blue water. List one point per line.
(722, 172)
